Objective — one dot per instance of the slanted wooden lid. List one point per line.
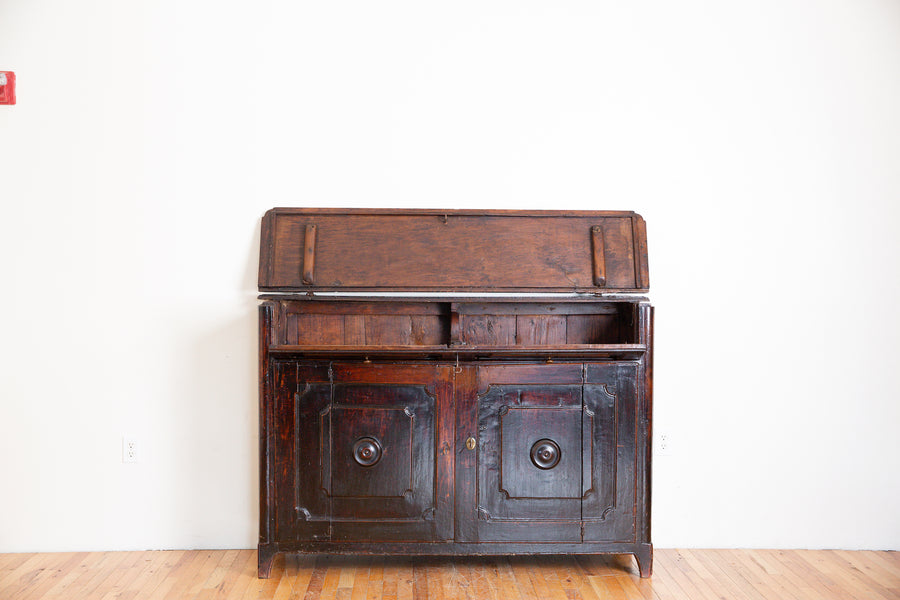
(385, 250)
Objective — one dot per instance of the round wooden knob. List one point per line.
(545, 454)
(367, 451)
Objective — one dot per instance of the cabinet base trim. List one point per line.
(642, 552)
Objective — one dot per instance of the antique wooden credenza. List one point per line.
(454, 382)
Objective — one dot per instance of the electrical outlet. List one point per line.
(665, 444)
(129, 450)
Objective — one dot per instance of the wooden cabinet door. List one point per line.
(555, 454)
(611, 447)
(529, 453)
(368, 454)
(300, 393)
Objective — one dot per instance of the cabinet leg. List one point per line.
(644, 558)
(265, 558)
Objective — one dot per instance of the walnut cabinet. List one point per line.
(454, 424)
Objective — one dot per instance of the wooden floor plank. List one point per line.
(17, 578)
(60, 576)
(257, 588)
(867, 564)
(768, 572)
(110, 569)
(822, 586)
(389, 579)
(188, 576)
(889, 560)
(680, 574)
(433, 578)
(142, 567)
(132, 563)
(244, 571)
(722, 576)
(636, 585)
(520, 567)
(508, 588)
(360, 582)
(405, 581)
(853, 587)
(304, 566)
(883, 582)
(671, 570)
(147, 585)
(69, 581)
(802, 588)
(420, 580)
(755, 576)
(375, 584)
(9, 562)
(137, 583)
(46, 577)
(692, 575)
(174, 575)
(332, 577)
(554, 576)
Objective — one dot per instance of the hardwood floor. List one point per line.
(231, 574)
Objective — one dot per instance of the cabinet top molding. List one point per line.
(467, 251)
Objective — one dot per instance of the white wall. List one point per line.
(761, 141)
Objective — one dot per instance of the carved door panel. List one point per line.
(367, 454)
(302, 391)
(555, 453)
(610, 408)
(529, 463)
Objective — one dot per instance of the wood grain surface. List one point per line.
(306, 249)
(231, 574)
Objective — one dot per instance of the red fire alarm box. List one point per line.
(7, 87)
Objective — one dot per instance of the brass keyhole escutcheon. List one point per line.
(470, 443)
(545, 454)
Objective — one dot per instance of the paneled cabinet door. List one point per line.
(368, 454)
(555, 453)
(611, 446)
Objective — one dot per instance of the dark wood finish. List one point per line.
(439, 425)
(517, 500)
(466, 250)
(598, 246)
(309, 255)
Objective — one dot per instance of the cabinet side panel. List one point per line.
(266, 498)
(281, 444)
(646, 425)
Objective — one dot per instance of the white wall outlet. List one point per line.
(665, 444)
(129, 450)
